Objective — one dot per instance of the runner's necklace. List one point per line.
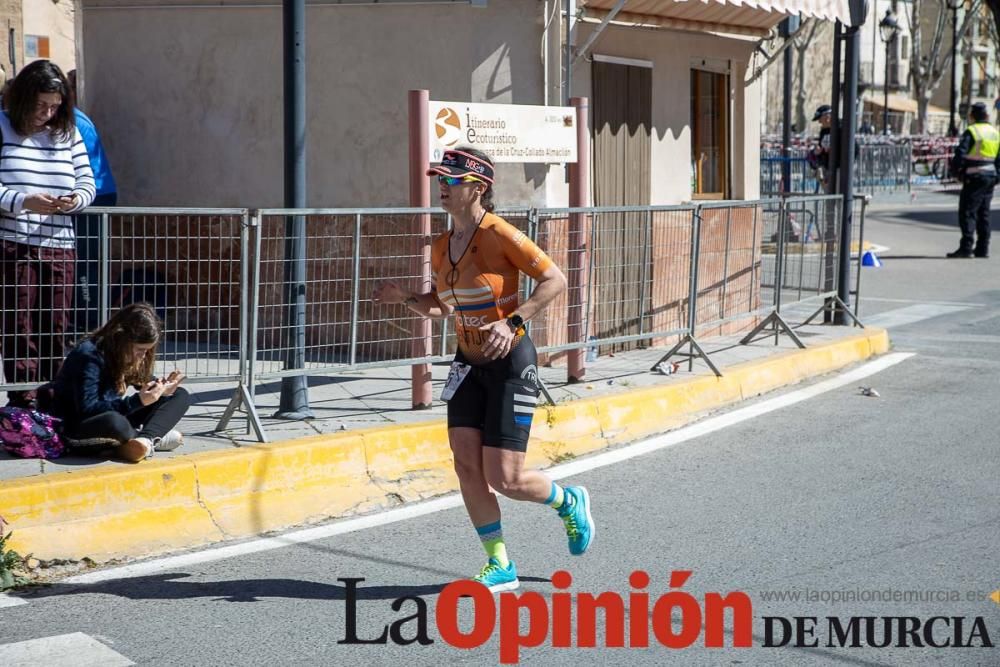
(452, 276)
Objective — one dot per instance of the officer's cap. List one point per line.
(822, 110)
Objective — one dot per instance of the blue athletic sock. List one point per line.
(557, 497)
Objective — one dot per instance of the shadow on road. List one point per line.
(889, 255)
(171, 586)
(943, 217)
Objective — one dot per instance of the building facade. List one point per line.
(196, 104)
(12, 37)
(34, 30)
(976, 70)
(50, 32)
(885, 68)
(885, 85)
(812, 80)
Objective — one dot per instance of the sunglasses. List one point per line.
(457, 180)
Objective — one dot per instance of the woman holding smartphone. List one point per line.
(89, 392)
(45, 174)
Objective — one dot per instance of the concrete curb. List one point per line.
(193, 500)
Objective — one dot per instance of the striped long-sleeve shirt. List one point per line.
(41, 164)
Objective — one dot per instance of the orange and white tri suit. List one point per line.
(483, 285)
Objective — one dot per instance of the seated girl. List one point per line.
(88, 393)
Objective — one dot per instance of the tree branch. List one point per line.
(787, 42)
(927, 69)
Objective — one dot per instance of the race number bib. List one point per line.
(455, 376)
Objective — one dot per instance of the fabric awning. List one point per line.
(896, 102)
(746, 17)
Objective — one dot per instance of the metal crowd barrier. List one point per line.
(221, 281)
(803, 246)
(803, 179)
(883, 168)
(634, 264)
(877, 168)
(189, 263)
(347, 253)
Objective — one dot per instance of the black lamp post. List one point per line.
(888, 27)
(952, 125)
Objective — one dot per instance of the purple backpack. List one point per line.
(29, 434)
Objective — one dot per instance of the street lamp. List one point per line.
(952, 126)
(888, 27)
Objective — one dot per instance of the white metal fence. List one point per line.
(244, 300)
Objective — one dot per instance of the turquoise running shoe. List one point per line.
(580, 528)
(496, 578)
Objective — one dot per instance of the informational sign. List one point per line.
(505, 132)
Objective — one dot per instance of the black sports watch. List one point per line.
(516, 323)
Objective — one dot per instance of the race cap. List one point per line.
(458, 163)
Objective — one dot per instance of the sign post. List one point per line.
(420, 197)
(578, 246)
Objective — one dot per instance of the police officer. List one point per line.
(976, 160)
(819, 157)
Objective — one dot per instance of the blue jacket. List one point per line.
(82, 388)
(98, 159)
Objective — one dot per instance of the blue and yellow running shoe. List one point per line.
(580, 528)
(496, 578)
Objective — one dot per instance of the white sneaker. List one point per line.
(168, 443)
(136, 450)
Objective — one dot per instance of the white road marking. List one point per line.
(73, 650)
(10, 601)
(729, 419)
(172, 563)
(910, 314)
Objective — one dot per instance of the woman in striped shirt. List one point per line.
(44, 175)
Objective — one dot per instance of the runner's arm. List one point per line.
(550, 284)
(426, 304)
(531, 260)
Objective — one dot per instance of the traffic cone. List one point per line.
(870, 259)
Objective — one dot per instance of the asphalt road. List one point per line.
(859, 506)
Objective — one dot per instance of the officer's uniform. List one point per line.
(819, 157)
(976, 162)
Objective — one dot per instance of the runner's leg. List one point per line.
(512, 401)
(467, 449)
(466, 410)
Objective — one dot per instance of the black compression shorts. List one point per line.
(499, 398)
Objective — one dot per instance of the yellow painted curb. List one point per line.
(186, 501)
